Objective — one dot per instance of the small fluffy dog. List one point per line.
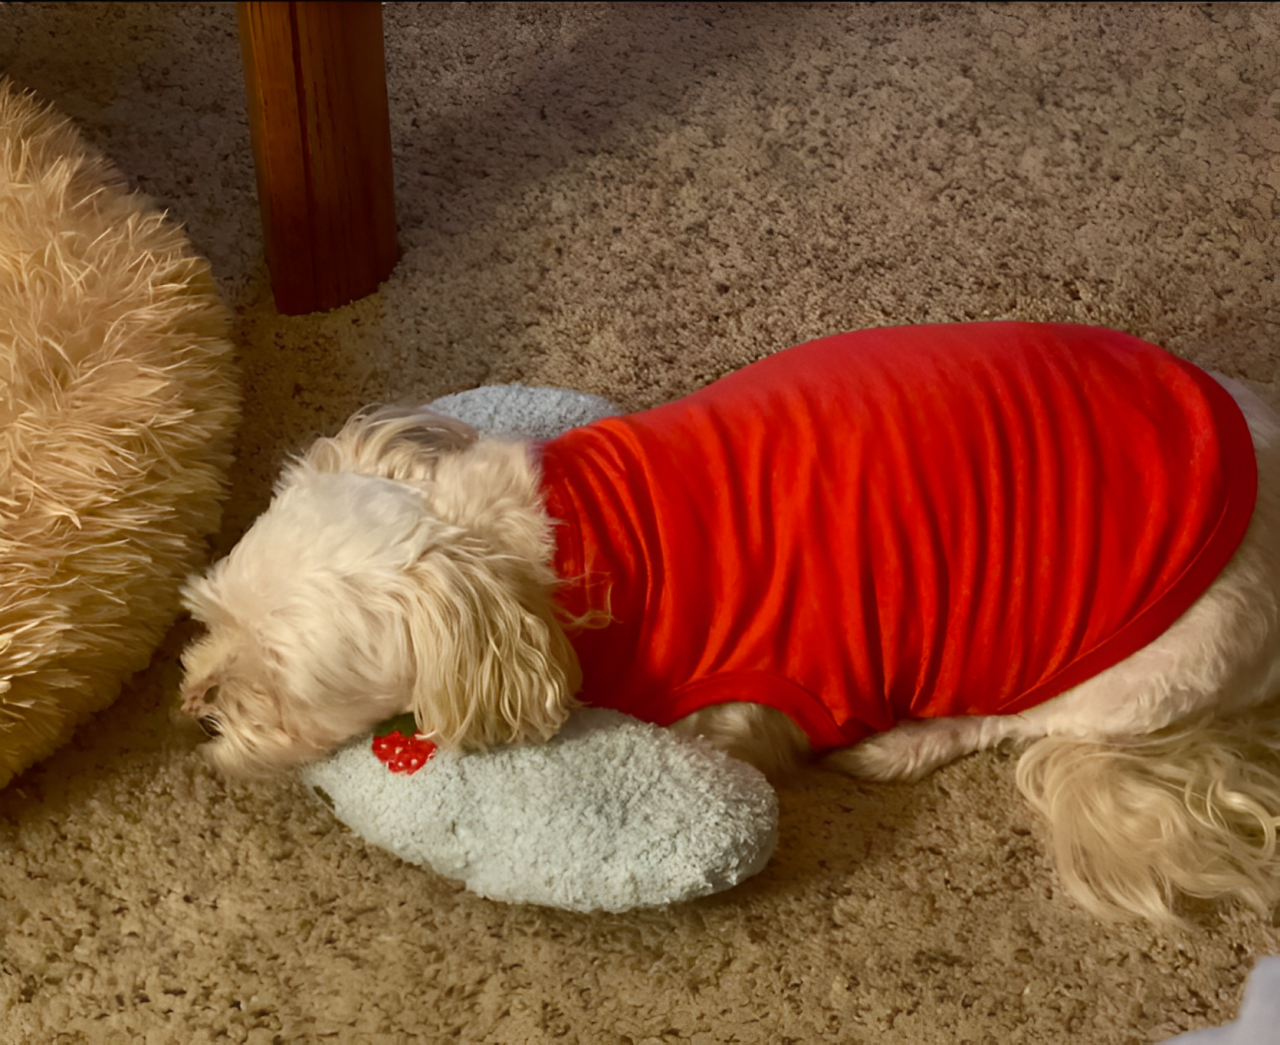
(889, 548)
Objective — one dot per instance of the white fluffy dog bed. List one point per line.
(117, 402)
(608, 815)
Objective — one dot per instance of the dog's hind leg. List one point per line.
(1161, 776)
(913, 749)
(1193, 810)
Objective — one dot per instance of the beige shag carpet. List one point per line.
(632, 200)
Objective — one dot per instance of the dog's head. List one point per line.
(402, 566)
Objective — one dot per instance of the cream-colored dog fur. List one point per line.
(424, 584)
(117, 404)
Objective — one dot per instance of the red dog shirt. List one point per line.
(898, 524)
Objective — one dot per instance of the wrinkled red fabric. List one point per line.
(898, 523)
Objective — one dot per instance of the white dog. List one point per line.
(890, 549)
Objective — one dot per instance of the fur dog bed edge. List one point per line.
(117, 405)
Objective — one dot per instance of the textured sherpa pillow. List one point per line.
(610, 814)
(117, 403)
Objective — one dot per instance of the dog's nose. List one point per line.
(210, 726)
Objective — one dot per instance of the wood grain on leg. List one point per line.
(316, 80)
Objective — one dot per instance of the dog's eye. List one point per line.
(212, 728)
(210, 695)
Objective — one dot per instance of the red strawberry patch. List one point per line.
(397, 745)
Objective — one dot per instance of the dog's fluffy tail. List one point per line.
(1191, 811)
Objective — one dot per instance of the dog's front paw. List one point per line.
(910, 750)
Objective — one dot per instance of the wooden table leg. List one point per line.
(316, 79)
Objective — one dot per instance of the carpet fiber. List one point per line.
(632, 200)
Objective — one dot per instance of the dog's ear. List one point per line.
(494, 666)
(391, 442)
